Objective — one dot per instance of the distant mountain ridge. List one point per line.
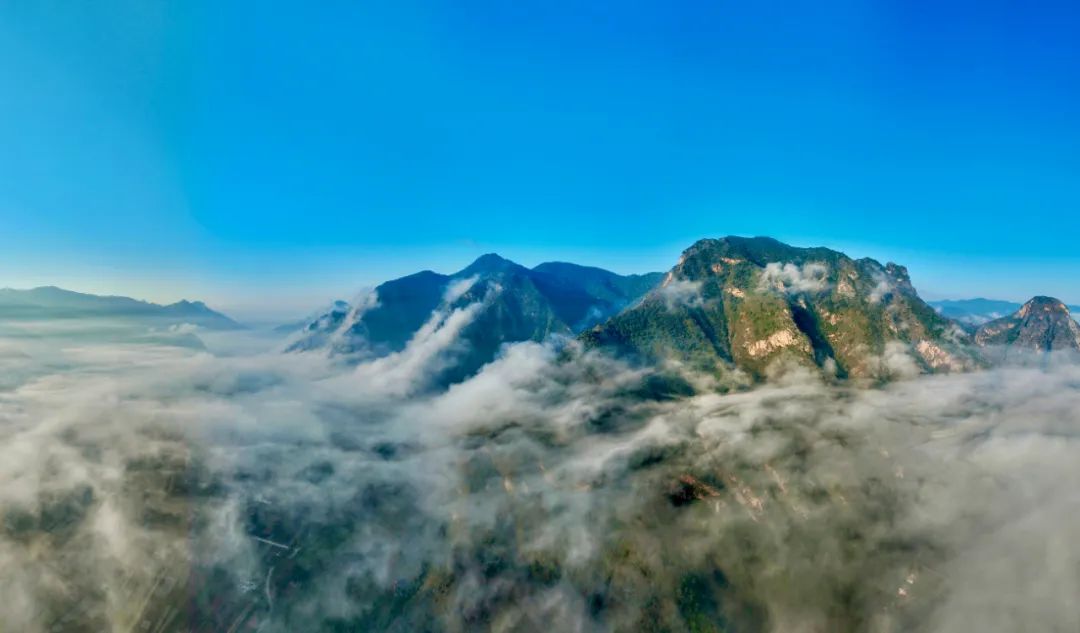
(517, 304)
(745, 303)
(975, 312)
(50, 302)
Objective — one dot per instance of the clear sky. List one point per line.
(274, 155)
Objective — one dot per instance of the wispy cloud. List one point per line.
(793, 278)
(679, 293)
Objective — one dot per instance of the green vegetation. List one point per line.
(760, 302)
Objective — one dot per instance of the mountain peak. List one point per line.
(1044, 305)
(736, 243)
(1048, 303)
(487, 264)
(758, 251)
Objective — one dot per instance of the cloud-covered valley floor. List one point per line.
(155, 487)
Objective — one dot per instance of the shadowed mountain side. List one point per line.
(514, 304)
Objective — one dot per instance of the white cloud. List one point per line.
(882, 289)
(896, 362)
(792, 278)
(458, 287)
(679, 293)
(183, 328)
(332, 330)
(427, 353)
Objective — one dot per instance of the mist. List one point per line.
(147, 485)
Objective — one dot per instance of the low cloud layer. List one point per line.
(162, 488)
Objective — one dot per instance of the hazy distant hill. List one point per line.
(746, 302)
(518, 304)
(50, 302)
(974, 312)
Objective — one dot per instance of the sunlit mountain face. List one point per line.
(763, 439)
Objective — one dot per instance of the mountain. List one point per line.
(746, 302)
(590, 295)
(975, 312)
(516, 304)
(1043, 324)
(50, 302)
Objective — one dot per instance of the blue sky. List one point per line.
(270, 158)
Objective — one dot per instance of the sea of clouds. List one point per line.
(149, 485)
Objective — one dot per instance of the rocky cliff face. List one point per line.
(1043, 324)
(749, 302)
